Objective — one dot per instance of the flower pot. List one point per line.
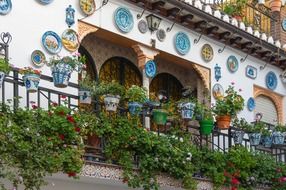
(223, 121)
(237, 136)
(278, 138)
(111, 102)
(206, 127)
(275, 5)
(160, 116)
(254, 138)
(61, 74)
(84, 97)
(134, 108)
(31, 82)
(266, 141)
(2, 77)
(93, 140)
(187, 110)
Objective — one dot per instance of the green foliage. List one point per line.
(241, 124)
(36, 142)
(230, 104)
(87, 84)
(29, 70)
(136, 94)
(76, 61)
(203, 112)
(111, 88)
(235, 8)
(281, 128)
(4, 65)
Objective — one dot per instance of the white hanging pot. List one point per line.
(111, 102)
(31, 82)
(2, 77)
(84, 97)
(187, 110)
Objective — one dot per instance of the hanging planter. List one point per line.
(254, 138)
(134, 108)
(275, 5)
(160, 116)
(223, 121)
(31, 82)
(237, 136)
(61, 74)
(111, 102)
(187, 110)
(84, 96)
(278, 138)
(206, 127)
(2, 77)
(266, 141)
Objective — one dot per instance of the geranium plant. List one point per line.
(29, 70)
(4, 65)
(76, 61)
(110, 88)
(136, 94)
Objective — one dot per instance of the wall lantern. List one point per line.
(153, 22)
(217, 72)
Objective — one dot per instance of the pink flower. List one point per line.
(232, 83)
(240, 90)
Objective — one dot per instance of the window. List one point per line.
(267, 107)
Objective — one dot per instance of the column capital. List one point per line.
(144, 54)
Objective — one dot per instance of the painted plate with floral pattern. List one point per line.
(182, 43)
(251, 104)
(150, 69)
(70, 40)
(5, 6)
(52, 42)
(123, 19)
(87, 6)
(38, 58)
(232, 64)
(271, 80)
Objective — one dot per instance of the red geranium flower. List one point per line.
(234, 181)
(70, 119)
(61, 136)
(71, 174)
(77, 129)
(233, 188)
(62, 113)
(63, 96)
(34, 107)
(54, 104)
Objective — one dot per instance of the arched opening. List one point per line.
(90, 70)
(121, 70)
(168, 83)
(268, 109)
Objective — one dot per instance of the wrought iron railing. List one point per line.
(256, 15)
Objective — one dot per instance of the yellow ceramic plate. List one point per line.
(70, 40)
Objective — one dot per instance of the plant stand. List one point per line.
(61, 74)
(111, 102)
(31, 82)
(2, 77)
(206, 127)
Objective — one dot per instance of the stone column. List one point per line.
(145, 54)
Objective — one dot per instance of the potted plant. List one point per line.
(227, 107)
(136, 96)
(235, 9)
(240, 125)
(31, 78)
(4, 69)
(86, 85)
(62, 68)
(111, 92)
(266, 137)
(205, 117)
(186, 104)
(254, 133)
(278, 135)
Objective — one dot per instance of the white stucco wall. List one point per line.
(28, 21)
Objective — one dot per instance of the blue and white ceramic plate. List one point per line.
(123, 19)
(46, 1)
(5, 6)
(150, 68)
(232, 64)
(52, 42)
(251, 104)
(271, 80)
(182, 43)
(38, 58)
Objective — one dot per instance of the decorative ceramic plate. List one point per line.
(217, 91)
(251, 104)
(161, 35)
(251, 72)
(182, 43)
(38, 58)
(232, 64)
(5, 6)
(142, 26)
(70, 40)
(87, 6)
(52, 42)
(46, 1)
(207, 53)
(283, 24)
(123, 19)
(150, 68)
(271, 80)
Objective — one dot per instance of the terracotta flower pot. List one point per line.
(223, 121)
(275, 5)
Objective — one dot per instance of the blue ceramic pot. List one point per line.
(254, 138)
(237, 136)
(31, 82)
(266, 141)
(134, 108)
(278, 137)
(187, 110)
(61, 74)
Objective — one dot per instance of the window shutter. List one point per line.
(266, 106)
